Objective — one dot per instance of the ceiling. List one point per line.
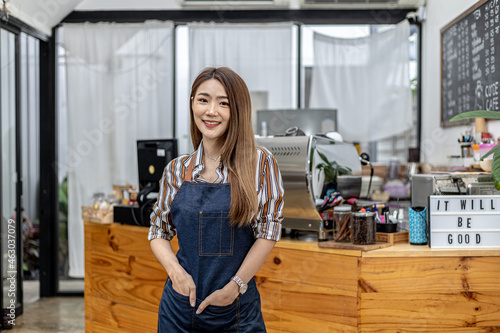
(44, 15)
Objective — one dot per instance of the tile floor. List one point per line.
(54, 314)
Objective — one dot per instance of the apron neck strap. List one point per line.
(189, 172)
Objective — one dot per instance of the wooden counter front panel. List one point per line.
(322, 269)
(433, 294)
(430, 274)
(380, 310)
(123, 279)
(308, 292)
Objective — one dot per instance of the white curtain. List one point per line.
(260, 53)
(30, 133)
(119, 89)
(367, 80)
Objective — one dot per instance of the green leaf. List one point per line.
(327, 174)
(321, 167)
(344, 170)
(497, 185)
(323, 157)
(477, 114)
(493, 150)
(331, 169)
(495, 170)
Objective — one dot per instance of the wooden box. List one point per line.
(393, 237)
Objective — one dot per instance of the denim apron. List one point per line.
(211, 251)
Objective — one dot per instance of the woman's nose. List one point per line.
(212, 109)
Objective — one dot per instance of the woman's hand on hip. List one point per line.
(183, 283)
(221, 297)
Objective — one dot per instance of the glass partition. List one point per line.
(10, 239)
(30, 151)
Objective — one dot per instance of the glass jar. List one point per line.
(363, 228)
(342, 221)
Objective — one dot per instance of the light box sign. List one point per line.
(464, 221)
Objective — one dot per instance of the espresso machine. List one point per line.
(297, 157)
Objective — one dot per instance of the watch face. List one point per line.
(243, 289)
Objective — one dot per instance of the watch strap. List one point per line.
(238, 280)
(242, 285)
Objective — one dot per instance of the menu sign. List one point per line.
(470, 61)
(464, 221)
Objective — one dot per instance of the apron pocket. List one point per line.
(216, 236)
(175, 294)
(216, 310)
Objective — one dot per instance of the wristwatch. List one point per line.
(243, 286)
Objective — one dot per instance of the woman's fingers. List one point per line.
(192, 296)
(204, 304)
(186, 286)
(221, 297)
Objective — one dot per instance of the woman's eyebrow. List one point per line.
(208, 95)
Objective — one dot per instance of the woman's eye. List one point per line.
(202, 100)
(224, 103)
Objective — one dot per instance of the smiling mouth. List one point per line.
(211, 123)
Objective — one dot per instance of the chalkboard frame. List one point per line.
(455, 21)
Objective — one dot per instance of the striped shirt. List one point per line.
(267, 222)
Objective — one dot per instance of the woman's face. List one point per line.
(211, 110)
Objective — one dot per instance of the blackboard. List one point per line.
(470, 62)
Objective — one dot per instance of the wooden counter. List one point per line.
(305, 288)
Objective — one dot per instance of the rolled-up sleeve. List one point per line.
(270, 196)
(160, 226)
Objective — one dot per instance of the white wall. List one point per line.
(437, 142)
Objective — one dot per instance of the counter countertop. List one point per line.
(397, 250)
(309, 242)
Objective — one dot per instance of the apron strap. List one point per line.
(189, 172)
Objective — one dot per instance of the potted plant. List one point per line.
(495, 115)
(31, 248)
(63, 229)
(331, 170)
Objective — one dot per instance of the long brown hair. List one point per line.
(238, 154)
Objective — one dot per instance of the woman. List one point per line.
(225, 204)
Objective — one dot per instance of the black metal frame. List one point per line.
(1, 245)
(174, 80)
(49, 228)
(299, 66)
(419, 89)
(15, 27)
(49, 198)
(19, 170)
(311, 16)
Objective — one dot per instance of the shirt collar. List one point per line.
(199, 165)
(199, 159)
